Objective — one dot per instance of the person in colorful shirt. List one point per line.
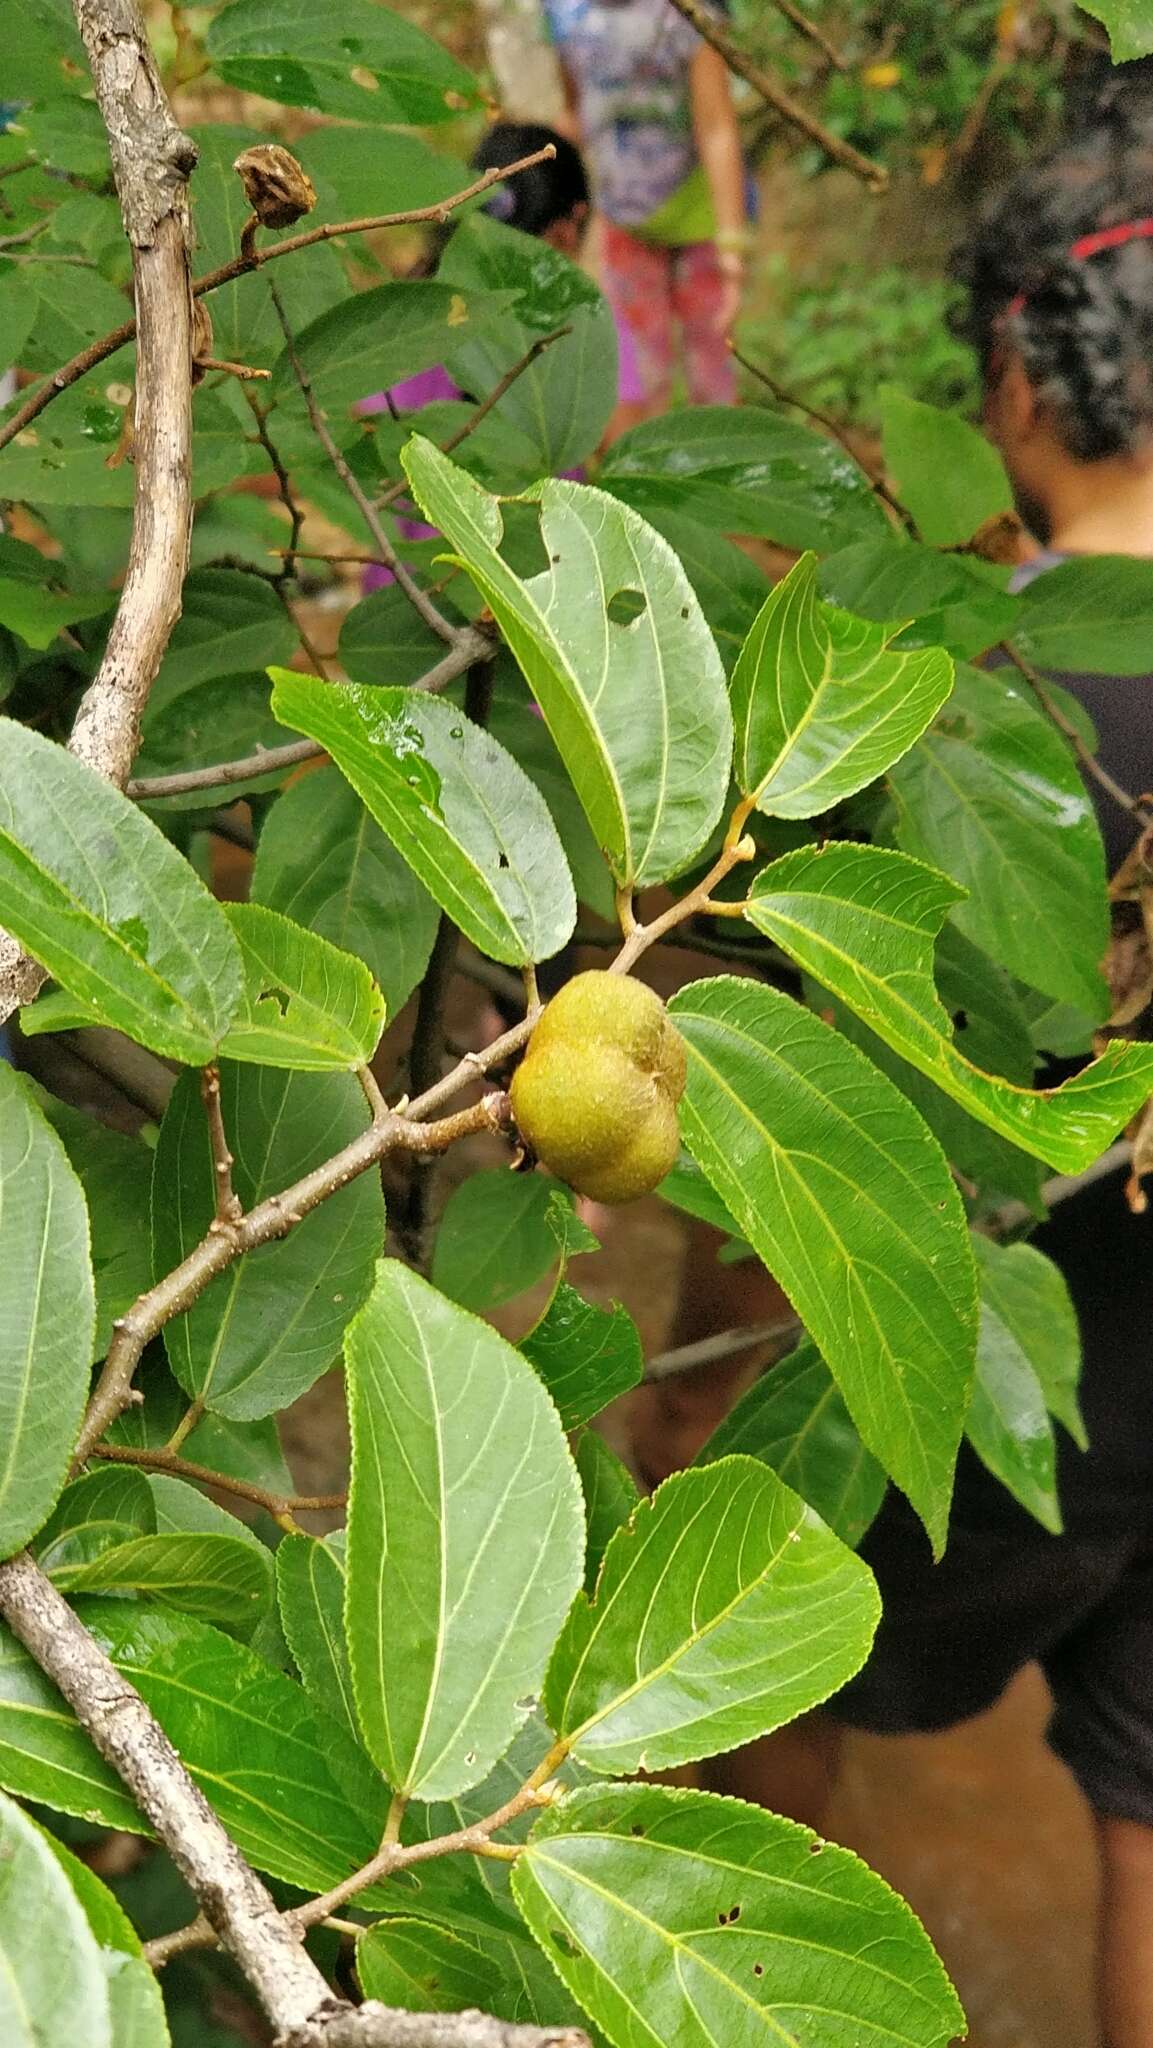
(653, 108)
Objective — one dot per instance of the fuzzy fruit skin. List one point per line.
(596, 1092)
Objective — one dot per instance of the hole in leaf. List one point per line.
(626, 605)
(960, 1020)
(758, 1969)
(684, 611)
(277, 995)
(636, 1828)
(816, 1848)
(734, 1914)
(502, 860)
(564, 1942)
(554, 559)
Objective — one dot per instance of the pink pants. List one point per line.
(652, 290)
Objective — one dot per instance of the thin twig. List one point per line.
(239, 266)
(203, 1475)
(830, 425)
(291, 504)
(472, 645)
(486, 405)
(815, 34)
(712, 29)
(738, 847)
(421, 603)
(40, 227)
(274, 1218)
(1090, 765)
(228, 1209)
(710, 1350)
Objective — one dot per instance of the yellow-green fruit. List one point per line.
(596, 1092)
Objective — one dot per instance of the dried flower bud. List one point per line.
(276, 187)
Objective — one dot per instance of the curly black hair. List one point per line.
(1083, 327)
(546, 193)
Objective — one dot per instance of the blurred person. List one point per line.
(1059, 279)
(652, 104)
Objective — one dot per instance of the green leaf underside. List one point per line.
(822, 702)
(638, 710)
(494, 1238)
(305, 1004)
(723, 1609)
(48, 1314)
(842, 1192)
(794, 1418)
(96, 893)
(611, 1497)
(456, 1589)
(680, 1920)
(324, 861)
(115, 1172)
(52, 1986)
(1030, 1296)
(464, 815)
(135, 2000)
(261, 1333)
(586, 1355)
(220, 1578)
(310, 1589)
(992, 797)
(863, 922)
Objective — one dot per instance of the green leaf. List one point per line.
(1130, 26)
(306, 1004)
(46, 1328)
(794, 1418)
(98, 896)
(554, 415)
(37, 614)
(637, 707)
(115, 1173)
(363, 171)
(52, 1985)
(384, 641)
(261, 1333)
(1086, 613)
(456, 1589)
(823, 703)
(514, 721)
(1008, 1424)
(863, 922)
(424, 1968)
(1030, 1298)
(947, 475)
(679, 1920)
(729, 586)
(495, 1238)
(219, 1578)
(586, 1355)
(93, 1514)
(611, 1498)
(745, 470)
(464, 815)
(224, 718)
(324, 861)
(723, 1609)
(310, 1589)
(230, 624)
(135, 2001)
(409, 325)
(44, 1753)
(993, 798)
(952, 600)
(837, 1184)
(380, 68)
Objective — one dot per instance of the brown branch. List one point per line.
(1088, 761)
(713, 31)
(203, 1475)
(710, 1350)
(737, 848)
(291, 505)
(880, 488)
(151, 161)
(421, 603)
(271, 1219)
(384, 2026)
(472, 645)
(239, 266)
(228, 1209)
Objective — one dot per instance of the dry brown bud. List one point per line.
(276, 187)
